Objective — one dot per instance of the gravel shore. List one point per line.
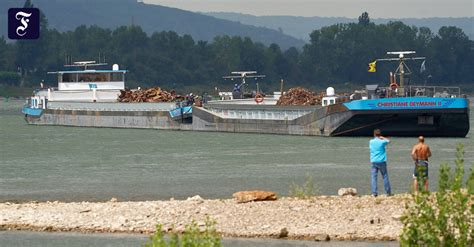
(317, 218)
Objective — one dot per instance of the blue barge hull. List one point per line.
(413, 116)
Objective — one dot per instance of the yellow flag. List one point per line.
(372, 66)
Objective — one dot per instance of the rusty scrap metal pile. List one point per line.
(147, 95)
(300, 96)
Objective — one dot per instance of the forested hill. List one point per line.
(337, 55)
(300, 27)
(66, 15)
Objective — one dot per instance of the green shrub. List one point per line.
(191, 237)
(304, 191)
(444, 218)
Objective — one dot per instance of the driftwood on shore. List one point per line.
(254, 196)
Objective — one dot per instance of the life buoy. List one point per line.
(259, 98)
(393, 86)
(393, 82)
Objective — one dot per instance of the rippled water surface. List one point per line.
(39, 239)
(76, 164)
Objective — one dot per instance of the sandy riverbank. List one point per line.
(339, 218)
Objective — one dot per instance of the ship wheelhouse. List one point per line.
(91, 79)
(86, 85)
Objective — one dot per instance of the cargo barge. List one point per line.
(413, 116)
(398, 110)
(88, 98)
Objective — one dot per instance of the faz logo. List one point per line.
(23, 23)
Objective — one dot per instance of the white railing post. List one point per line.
(94, 95)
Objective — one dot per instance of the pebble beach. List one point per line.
(320, 218)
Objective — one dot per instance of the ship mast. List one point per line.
(402, 68)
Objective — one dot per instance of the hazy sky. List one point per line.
(337, 8)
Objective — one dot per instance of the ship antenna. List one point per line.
(85, 64)
(402, 68)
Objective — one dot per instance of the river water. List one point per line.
(95, 164)
(39, 239)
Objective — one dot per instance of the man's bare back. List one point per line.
(421, 151)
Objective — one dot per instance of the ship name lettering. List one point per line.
(392, 104)
(406, 104)
(425, 103)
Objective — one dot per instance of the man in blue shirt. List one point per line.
(378, 158)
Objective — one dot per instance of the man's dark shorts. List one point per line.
(421, 166)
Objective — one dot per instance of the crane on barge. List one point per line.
(402, 68)
(238, 92)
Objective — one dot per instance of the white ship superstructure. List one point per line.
(83, 85)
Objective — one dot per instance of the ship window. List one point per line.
(92, 77)
(69, 77)
(116, 76)
(325, 102)
(331, 101)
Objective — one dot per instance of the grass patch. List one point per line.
(304, 191)
(378, 201)
(192, 236)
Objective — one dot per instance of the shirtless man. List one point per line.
(420, 154)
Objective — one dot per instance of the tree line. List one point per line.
(336, 55)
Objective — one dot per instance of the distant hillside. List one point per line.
(66, 15)
(301, 27)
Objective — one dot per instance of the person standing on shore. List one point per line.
(378, 158)
(420, 154)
